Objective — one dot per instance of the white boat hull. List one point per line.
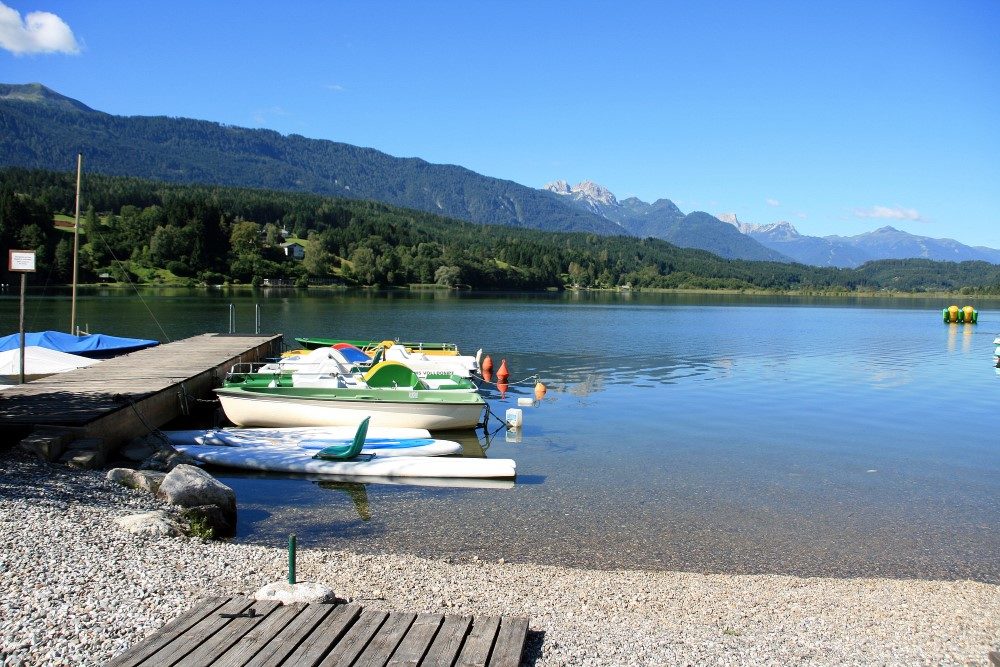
(379, 441)
(262, 410)
(287, 459)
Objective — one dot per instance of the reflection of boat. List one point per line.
(247, 405)
(444, 349)
(295, 460)
(357, 493)
(95, 346)
(380, 442)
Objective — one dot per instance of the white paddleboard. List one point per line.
(380, 441)
(297, 460)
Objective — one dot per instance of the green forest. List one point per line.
(142, 231)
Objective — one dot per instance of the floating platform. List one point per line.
(239, 631)
(124, 397)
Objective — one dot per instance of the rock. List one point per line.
(143, 480)
(140, 449)
(46, 443)
(166, 460)
(90, 445)
(153, 524)
(301, 592)
(84, 459)
(211, 516)
(189, 486)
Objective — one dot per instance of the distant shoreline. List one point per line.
(965, 299)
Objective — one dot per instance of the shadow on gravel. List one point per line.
(533, 647)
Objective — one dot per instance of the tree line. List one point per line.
(150, 231)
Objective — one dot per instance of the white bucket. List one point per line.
(514, 417)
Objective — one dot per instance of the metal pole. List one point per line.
(24, 281)
(256, 326)
(291, 559)
(76, 243)
(232, 318)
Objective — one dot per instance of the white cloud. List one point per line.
(772, 202)
(39, 32)
(890, 213)
(335, 87)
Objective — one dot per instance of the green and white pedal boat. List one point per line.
(252, 405)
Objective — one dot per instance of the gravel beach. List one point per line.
(76, 590)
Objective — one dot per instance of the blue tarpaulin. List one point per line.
(93, 345)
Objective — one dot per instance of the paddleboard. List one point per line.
(298, 460)
(380, 441)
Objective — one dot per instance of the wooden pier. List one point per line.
(121, 398)
(235, 632)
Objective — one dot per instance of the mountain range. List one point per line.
(853, 251)
(42, 129)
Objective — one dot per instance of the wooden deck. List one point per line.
(116, 398)
(238, 631)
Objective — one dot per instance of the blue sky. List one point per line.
(839, 117)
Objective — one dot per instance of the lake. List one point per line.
(711, 433)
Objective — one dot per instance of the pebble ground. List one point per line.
(75, 589)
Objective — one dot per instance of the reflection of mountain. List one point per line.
(591, 384)
(357, 492)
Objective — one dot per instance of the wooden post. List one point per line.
(76, 245)
(24, 282)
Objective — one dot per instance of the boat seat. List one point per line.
(345, 452)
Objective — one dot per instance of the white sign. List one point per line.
(22, 260)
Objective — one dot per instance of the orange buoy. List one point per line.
(502, 372)
(502, 386)
(539, 391)
(487, 375)
(487, 365)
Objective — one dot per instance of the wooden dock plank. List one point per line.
(479, 643)
(418, 639)
(157, 640)
(229, 635)
(116, 396)
(259, 637)
(197, 634)
(510, 642)
(385, 641)
(312, 646)
(354, 642)
(448, 641)
(220, 632)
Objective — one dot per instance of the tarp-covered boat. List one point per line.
(38, 362)
(95, 346)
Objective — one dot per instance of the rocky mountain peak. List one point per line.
(775, 230)
(559, 187)
(592, 193)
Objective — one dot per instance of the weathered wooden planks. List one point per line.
(120, 398)
(240, 632)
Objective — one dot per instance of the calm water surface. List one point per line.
(707, 433)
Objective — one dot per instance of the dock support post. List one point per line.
(291, 560)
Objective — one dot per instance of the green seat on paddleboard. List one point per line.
(344, 452)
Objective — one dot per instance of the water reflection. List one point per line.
(967, 331)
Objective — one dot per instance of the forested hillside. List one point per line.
(156, 232)
(43, 129)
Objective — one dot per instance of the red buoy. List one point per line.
(502, 386)
(502, 372)
(487, 375)
(487, 365)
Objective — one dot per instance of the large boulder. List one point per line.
(209, 521)
(150, 524)
(189, 486)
